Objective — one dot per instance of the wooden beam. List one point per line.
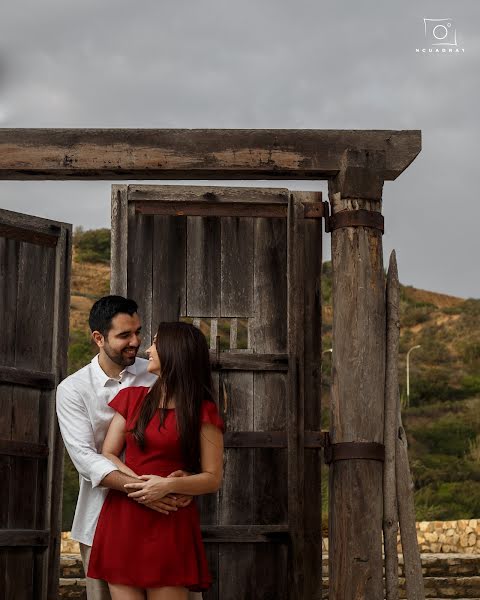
(270, 439)
(245, 361)
(202, 209)
(195, 153)
(245, 533)
(207, 194)
(23, 449)
(27, 377)
(23, 537)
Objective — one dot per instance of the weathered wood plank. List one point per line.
(267, 328)
(25, 449)
(139, 270)
(246, 533)
(19, 574)
(194, 153)
(51, 480)
(203, 266)
(390, 511)
(26, 228)
(313, 437)
(295, 393)
(169, 301)
(358, 379)
(236, 267)
(236, 578)
(207, 194)
(23, 537)
(236, 495)
(271, 461)
(242, 361)
(119, 241)
(200, 209)
(27, 377)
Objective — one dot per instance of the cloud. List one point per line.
(269, 64)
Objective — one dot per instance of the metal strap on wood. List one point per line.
(353, 450)
(356, 218)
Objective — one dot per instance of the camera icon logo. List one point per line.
(440, 32)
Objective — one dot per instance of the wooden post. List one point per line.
(358, 380)
(412, 564)
(390, 512)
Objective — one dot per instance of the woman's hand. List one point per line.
(152, 488)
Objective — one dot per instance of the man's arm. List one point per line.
(77, 434)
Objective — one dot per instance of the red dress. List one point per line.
(135, 545)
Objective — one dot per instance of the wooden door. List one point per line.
(34, 304)
(245, 265)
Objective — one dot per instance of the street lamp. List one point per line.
(408, 372)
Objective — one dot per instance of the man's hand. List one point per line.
(165, 506)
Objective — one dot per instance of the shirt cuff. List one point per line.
(101, 472)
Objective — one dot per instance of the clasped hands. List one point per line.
(155, 492)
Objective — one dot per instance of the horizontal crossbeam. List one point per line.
(195, 153)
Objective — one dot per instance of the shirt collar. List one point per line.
(102, 377)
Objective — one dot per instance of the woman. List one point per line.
(173, 425)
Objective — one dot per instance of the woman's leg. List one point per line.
(167, 593)
(126, 592)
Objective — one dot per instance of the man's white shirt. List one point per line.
(84, 416)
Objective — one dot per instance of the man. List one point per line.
(84, 416)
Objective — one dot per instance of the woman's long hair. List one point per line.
(185, 373)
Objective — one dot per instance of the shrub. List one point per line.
(92, 245)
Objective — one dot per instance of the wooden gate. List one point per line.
(34, 304)
(244, 263)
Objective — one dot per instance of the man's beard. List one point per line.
(119, 358)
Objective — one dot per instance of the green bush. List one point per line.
(92, 245)
(81, 350)
(449, 435)
(451, 500)
(70, 493)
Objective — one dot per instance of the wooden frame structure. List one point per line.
(356, 163)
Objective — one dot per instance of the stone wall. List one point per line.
(459, 537)
(449, 537)
(452, 537)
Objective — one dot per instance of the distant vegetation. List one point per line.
(92, 245)
(442, 420)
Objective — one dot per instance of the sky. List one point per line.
(297, 64)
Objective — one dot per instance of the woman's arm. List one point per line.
(206, 482)
(114, 444)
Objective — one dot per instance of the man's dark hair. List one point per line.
(106, 308)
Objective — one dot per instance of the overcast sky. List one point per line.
(262, 64)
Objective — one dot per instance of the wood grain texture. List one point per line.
(390, 511)
(312, 398)
(237, 249)
(406, 512)
(357, 394)
(119, 240)
(169, 301)
(139, 248)
(203, 266)
(186, 194)
(295, 393)
(194, 153)
(32, 455)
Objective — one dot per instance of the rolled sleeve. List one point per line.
(77, 434)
